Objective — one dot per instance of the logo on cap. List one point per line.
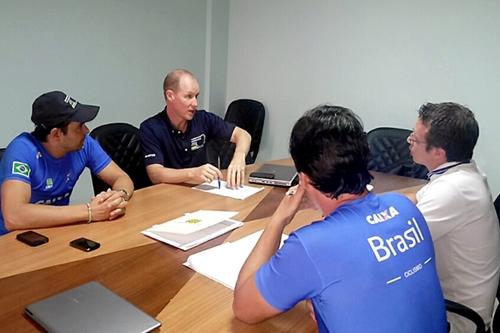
(70, 101)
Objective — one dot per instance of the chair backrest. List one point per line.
(2, 150)
(390, 153)
(248, 114)
(497, 206)
(121, 142)
(496, 318)
(468, 313)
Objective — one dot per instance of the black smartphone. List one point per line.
(32, 238)
(84, 244)
(265, 175)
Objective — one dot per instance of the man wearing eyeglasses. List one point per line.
(457, 206)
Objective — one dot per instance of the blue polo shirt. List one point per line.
(51, 179)
(367, 267)
(163, 144)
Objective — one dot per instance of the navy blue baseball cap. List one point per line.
(54, 108)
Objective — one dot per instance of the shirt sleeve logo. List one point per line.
(20, 168)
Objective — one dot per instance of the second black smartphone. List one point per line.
(84, 244)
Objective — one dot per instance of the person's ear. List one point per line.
(169, 95)
(304, 180)
(439, 155)
(55, 133)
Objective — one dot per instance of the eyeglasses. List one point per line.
(411, 139)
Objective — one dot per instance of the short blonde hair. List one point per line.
(172, 79)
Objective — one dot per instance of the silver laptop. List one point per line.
(277, 175)
(90, 308)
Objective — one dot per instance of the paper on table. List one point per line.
(223, 263)
(195, 228)
(192, 222)
(192, 239)
(239, 193)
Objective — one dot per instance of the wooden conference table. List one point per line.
(146, 272)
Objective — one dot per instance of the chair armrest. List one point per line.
(466, 312)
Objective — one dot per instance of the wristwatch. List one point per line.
(125, 195)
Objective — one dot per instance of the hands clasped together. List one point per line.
(107, 205)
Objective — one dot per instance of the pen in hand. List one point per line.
(218, 167)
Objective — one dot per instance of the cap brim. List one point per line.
(84, 113)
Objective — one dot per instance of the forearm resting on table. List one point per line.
(159, 174)
(28, 215)
(124, 183)
(114, 176)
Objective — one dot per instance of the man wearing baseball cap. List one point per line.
(39, 169)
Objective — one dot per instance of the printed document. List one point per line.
(223, 263)
(239, 193)
(193, 229)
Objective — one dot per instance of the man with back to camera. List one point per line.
(458, 207)
(174, 140)
(368, 266)
(39, 170)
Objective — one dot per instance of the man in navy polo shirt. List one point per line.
(174, 140)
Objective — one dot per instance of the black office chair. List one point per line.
(495, 324)
(121, 142)
(466, 312)
(390, 153)
(244, 113)
(497, 207)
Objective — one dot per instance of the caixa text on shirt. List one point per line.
(385, 248)
(53, 200)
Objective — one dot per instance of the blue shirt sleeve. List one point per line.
(18, 161)
(289, 276)
(97, 159)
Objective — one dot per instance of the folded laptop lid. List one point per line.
(272, 174)
(90, 308)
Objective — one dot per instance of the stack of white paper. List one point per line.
(193, 229)
(240, 193)
(223, 263)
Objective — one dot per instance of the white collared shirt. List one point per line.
(457, 206)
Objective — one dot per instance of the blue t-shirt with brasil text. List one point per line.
(51, 179)
(367, 267)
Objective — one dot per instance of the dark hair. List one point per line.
(41, 132)
(329, 145)
(452, 127)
